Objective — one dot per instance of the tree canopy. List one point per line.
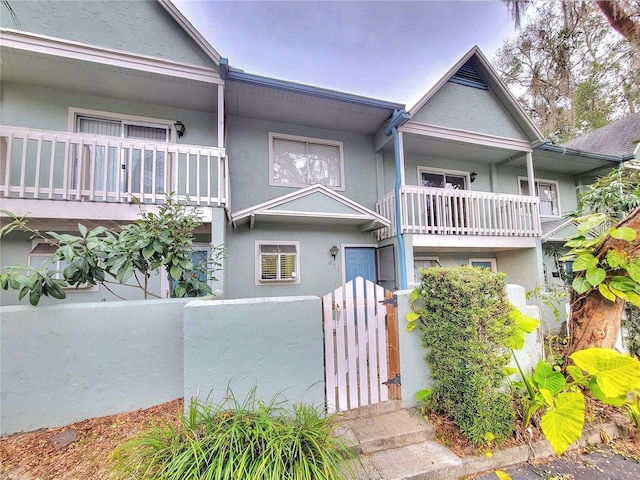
(572, 71)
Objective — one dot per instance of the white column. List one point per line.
(530, 176)
(221, 116)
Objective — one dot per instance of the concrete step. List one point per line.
(389, 430)
(419, 461)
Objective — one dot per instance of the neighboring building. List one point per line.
(284, 172)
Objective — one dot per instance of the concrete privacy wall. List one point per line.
(65, 363)
(415, 373)
(274, 344)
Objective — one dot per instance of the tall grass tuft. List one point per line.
(247, 440)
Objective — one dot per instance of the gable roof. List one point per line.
(473, 69)
(613, 139)
(186, 25)
(312, 204)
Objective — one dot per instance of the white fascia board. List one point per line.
(449, 243)
(190, 30)
(263, 208)
(465, 136)
(79, 51)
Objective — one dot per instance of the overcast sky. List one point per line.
(383, 49)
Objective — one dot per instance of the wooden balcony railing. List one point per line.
(460, 212)
(53, 165)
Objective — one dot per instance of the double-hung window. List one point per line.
(547, 192)
(277, 262)
(301, 161)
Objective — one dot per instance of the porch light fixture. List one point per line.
(180, 128)
(334, 251)
(473, 176)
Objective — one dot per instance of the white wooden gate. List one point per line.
(360, 340)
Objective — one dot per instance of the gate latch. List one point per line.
(393, 381)
(393, 301)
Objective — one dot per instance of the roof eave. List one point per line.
(229, 73)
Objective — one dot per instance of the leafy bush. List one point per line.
(238, 441)
(467, 327)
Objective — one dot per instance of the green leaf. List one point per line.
(547, 378)
(415, 294)
(411, 327)
(575, 373)
(508, 371)
(633, 298)
(624, 233)
(595, 276)
(624, 284)
(423, 395)
(616, 259)
(548, 397)
(633, 269)
(523, 324)
(563, 424)
(616, 373)
(606, 293)
(412, 316)
(148, 252)
(83, 230)
(175, 271)
(590, 222)
(34, 297)
(580, 285)
(584, 261)
(597, 393)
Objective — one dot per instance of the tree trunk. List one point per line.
(595, 321)
(621, 22)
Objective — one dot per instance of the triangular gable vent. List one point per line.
(468, 76)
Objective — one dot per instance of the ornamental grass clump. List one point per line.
(465, 323)
(238, 441)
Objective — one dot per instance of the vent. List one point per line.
(468, 76)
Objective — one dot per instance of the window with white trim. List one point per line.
(489, 263)
(547, 192)
(420, 263)
(277, 262)
(300, 161)
(138, 170)
(42, 252)
(440, 178)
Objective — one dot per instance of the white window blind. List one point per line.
(301, 163)
(278, 262)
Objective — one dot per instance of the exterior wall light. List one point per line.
(473, 176)
(180, 128)
(334, 251)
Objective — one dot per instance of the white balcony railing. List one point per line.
(460, 212)
(52, 165)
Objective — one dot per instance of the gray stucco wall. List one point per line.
(48, 109)
(142, 27)
(471, 109)
(319, 273)
(65, 363)
(248, 148)
(273, 344)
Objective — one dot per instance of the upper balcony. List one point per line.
(439, 211)
(79, 167)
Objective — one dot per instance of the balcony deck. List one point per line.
(79, 167)
(438, 211)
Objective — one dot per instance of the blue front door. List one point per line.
(360, 262)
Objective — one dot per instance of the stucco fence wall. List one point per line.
(65, 363)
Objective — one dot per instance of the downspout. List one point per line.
(397, 119)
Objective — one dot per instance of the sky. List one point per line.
(391, 50)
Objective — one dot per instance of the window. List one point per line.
(547, 192)
(420, 263)
(489, 263)
(132, 169)
(277, 262)
(436, 178)
(42, 252)
(299, 161)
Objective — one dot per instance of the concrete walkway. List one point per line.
(396, 444)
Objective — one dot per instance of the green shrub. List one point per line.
(464, 317)
(238, 441)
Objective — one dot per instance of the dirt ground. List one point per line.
(39, 455)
